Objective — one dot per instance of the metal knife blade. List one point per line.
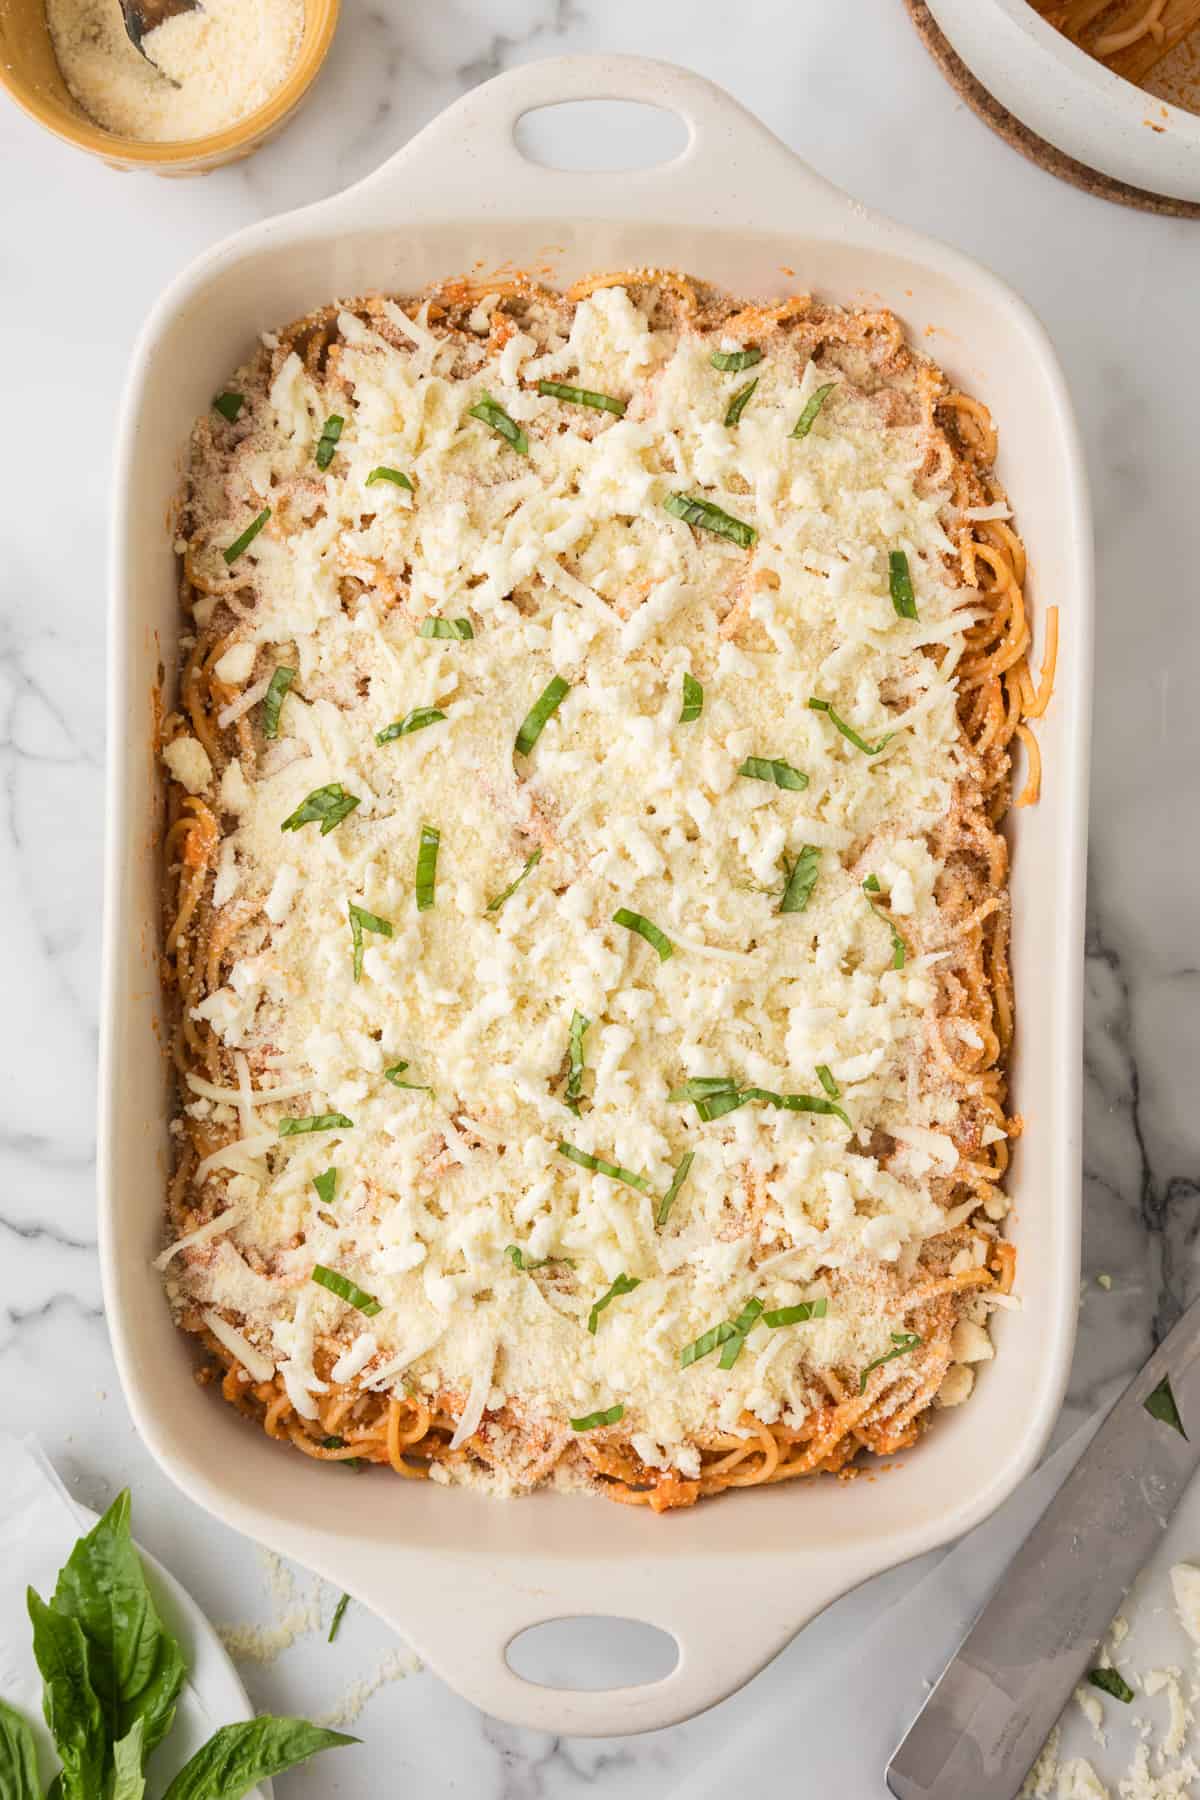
(985, 1722)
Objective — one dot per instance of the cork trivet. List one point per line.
(1104, 187)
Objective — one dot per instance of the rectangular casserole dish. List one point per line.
(457, 1574)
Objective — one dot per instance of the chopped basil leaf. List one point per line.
(714, 1095)
(739, 403)
(1109, 1682)
(593, 1421)
(346, 1290)
(1161, 1405)
(805, 1103)
(396, 1076)
(247, 538)
(327, 806)
(731, 362)
(427, 858)
(579, 1029)
(634, 921)
(763, 768)
(902, 1343)
(315, 1122)
(825, 1077)
(847, 731)
(446, 628)
(325, 1185)
(353, 1463)
(491, 413)
(705, 516)
(693, 700)
(812, 407)
(899, 947)
(229, 405)
(598, 1166)
(547, 702)
(559, 390)
(331, 431)
(395, 476)
(531, 862)
(280, 682)
(706, 1344)
(624, 1284)
(796, 1315)
(416, 720)
(338, 1614)
(802, 879)
(745, 1321)
(361, 920)
(672, 1194)
(519, 1260)
(900, 582)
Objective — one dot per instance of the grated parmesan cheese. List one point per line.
(202, 70)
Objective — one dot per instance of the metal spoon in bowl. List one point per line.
(142, 16)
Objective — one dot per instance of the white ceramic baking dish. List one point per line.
(1071, 100)
(459, 1575)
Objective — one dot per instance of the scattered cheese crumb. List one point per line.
(394, 1666)
(188, 762)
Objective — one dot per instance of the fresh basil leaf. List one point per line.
(774, 769)
(848, 731)
(247, 537)
(128, 1755)
(584, 1160)
(18, 1757)
(590, 1422)
(346, 1290)
(902, 1343)
(636, 921)
(745, 1321)
(705, 515)
(137, 1667)
(361, 920)
(732, 362)
(559, 390)
(69, 1701)
(796, 1315)
(1161, 1406)
(446, 628)
(802, 879)
(672, 1194)
(531, 862)
(427, 861)
(624, 1284)
(693, 700)
(292, 1127)
(273, 699)
(493, 414)
(327, 806)
(739, 403)
(395, 476)
(1109, 1682)
(900, 585)
(325, 1185)
(580, 1026)
(229, 405)
(339, 1612)
(812, 407)
(547, 703)
(331, 431)
(238, 1757)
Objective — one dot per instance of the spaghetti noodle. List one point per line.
(913, 1288)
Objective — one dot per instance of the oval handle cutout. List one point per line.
(600, 136)
(591, 1653)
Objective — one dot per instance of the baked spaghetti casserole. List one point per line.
(586, 917)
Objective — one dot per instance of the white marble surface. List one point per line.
(85, 251)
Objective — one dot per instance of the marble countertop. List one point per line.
(85, 253)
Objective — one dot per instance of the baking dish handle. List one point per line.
(461, 1619)
(730, 165)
